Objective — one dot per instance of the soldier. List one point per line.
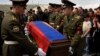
(68, 20)
(56, 16)
(59, 17)
(52, 15)
(71, 22)
(12, 32)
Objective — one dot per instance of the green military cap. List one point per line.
(55, 5)
(19, 2)
(52, 4)
(63, 1)
(68, 4)
(58, 5)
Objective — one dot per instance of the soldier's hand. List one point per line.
(52, 24)
(57, 27)
(40, 52)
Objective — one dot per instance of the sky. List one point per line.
(83, 3)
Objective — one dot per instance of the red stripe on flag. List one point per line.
(39, 36)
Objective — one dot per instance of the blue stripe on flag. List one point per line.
(49, 32)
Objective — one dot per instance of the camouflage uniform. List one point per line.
(52, 17)
(78, 45)
(58, 20)
(70, 24)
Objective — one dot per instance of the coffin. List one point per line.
(48, 39)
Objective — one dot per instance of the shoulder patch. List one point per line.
(14, 18)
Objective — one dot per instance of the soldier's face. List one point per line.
(21, 9)
(50, 9)
(57, 9)
(67, 11)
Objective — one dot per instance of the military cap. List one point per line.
(58, 5)
(52, 4)
(68, 4)
(63, 1)
(55, 5)
(19, 2)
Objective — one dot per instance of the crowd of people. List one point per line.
(81, 26)
(82, 23)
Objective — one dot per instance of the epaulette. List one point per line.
(10, 16)
(77, 17)
(14, 18)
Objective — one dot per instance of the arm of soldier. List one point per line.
(51, 22)
(60, 23)
(51, 19)
(15, 31)
(58, 26)
(75, 40)
(79, 22)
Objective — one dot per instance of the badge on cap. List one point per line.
(15, 29)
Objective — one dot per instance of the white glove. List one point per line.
(70, 50)
(40, 52)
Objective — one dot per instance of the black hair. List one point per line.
(86, 15)
(10, 8)
(98, 17)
